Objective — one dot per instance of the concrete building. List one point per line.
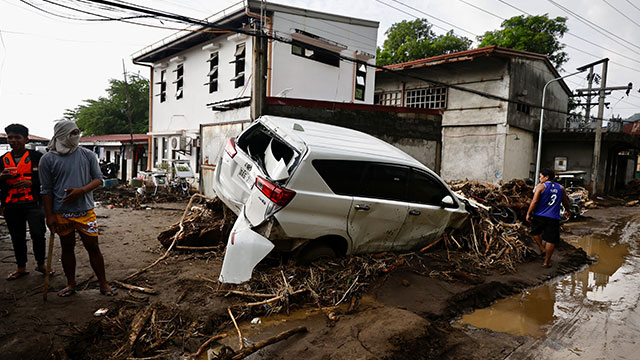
(117, 149)
(205, 76)
(35, 143)
(483, 138)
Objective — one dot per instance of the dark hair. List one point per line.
(549, 173)
(17, 129)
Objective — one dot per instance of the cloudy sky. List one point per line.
(49, 63)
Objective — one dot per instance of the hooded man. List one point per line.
(68, 175)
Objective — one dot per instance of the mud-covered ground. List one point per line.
(403, 315)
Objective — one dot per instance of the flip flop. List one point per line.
(548, 266)
(66, 292)
(43, 271)
(111, 292)
(17, 275)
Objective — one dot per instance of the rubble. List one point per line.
(128, 197)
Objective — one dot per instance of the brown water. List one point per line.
(591, 314)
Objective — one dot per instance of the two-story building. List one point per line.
(484, 138)
(205, 75)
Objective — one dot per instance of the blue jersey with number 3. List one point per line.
(550, 201)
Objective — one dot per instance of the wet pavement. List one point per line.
(591, 314)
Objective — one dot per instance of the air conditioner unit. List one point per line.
(179, 143)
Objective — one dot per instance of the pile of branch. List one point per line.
(206, 226)
(515, 194)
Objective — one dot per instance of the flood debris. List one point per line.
(122, 196)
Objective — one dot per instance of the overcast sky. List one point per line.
(49, 64)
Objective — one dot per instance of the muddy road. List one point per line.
(402, 314)
(591, 314)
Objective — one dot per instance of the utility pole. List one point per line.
(598, 138)
(259, 83)
(133, 148)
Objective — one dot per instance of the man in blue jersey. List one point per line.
(544, 213)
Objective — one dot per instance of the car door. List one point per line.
(379, 208)
(427, 216)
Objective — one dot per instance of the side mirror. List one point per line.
(447, 201)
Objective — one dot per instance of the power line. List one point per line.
(424, 13)
(621, 13)
(632, 4)
(412, 15)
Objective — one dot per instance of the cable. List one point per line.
(407, 13)
(280, 39)
(630, 3)
(621, 13)
(424, 13)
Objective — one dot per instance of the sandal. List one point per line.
(43, 270)
(17, 275)
(110, 292)
(66, 292)
(548, 266)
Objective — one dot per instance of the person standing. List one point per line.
(20, 196)
(69, 174)
(544, 213)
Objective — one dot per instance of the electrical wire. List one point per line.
(407, 13)
(424, 13)
(621, 13)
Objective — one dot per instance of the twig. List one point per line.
(237, 328)
(347, 292)
(136, 326)
(204, 345)
(431, 245)
(136, 288)
(243, 293)
(197, 247)
(272, 340)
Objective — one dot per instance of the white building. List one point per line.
(118, 149)
(206, 76)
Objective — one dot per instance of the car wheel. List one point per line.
(315, 251)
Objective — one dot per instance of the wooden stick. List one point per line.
(237, 328)
(431, 245)
(52, 237)
(272, 340)
(136, 326)
(135, 288)
(243, 293)
(204, 345)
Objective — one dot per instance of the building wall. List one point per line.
(191, 111)
(528, 78)
(519, 155)
(298, 77)
(475, 153)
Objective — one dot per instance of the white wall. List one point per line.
(309, 79)
(519, 154)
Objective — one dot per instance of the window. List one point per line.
(238, 79)
(427, 98)
(342, 177)
(361, 79)
(524, 108)
(155, 151)
(315, 53)
(165, 148)
(385, 182)
(179, 80)
(392, 98)
(163, 86)
(213, 73)
(425, 189)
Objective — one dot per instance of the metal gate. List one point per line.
(213, 139)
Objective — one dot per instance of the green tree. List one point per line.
(538, 34)
(108, 115)
(412, 40)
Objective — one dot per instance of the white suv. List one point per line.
(321, 191)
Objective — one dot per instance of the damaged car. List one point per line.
(322, 191)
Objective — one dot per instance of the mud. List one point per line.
(405, 315)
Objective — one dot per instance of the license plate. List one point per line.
(245, 176)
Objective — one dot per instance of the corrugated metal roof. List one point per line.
(123, 138)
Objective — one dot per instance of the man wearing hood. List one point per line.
(68, 175)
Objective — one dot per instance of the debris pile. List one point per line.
(206, 227)
(515, 194)
(127, 197)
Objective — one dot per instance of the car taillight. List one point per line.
(279, 195)
(230, 148)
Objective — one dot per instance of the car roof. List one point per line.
(331, 139)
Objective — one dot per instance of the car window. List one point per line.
(343, 177)
(425, 189)
(385, 182)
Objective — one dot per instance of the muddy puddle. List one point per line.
(593, 313)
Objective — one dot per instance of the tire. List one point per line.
(504, 214)
(313, 251)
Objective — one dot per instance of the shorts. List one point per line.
(83, 221)
(548, 227)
